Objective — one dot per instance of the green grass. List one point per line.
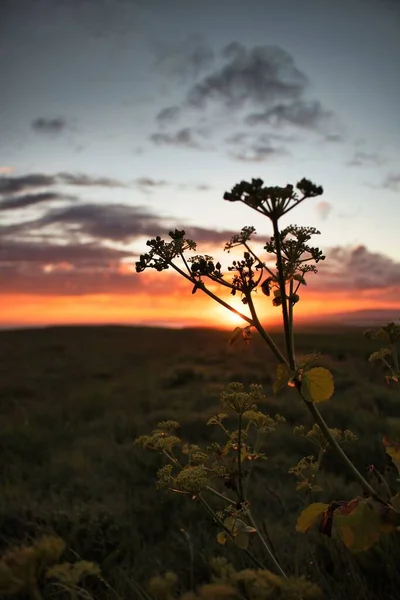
(73, 399)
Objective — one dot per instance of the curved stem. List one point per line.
(266, 547)
(222, 496)
(218, 520)
(318, 418)
(239, 459)
(266, 337)
(213, 296)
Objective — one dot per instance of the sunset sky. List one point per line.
(122, 119)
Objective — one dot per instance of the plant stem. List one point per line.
(266, 547)
(318, 418)
(222, 496)
(282, 288)
(395, 357)
(218, 520)
(291, 324)
(288, 328)
(239, 459)
(203, 288)
(266, 337)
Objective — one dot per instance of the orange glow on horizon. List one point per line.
(179, 308)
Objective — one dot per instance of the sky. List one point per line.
(123, 119)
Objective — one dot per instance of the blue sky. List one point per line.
(159, 107)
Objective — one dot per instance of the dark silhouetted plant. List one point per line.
(219, 477)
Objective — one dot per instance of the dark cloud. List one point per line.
(392, 182)
(64, 281)
(26, 200)
(254, 149)
(49, 126)
(90, 254)
(86, 181)
(186, 59)
(258, 153)
(184, 138)
(262, 81)
(262, 75)
(168, 115)
(148, 182)
(117, 222)
(334, 137)
(13, 185)
(365, 159)
(309, 115)
(357, 269)
(113, 222)
(203, 187)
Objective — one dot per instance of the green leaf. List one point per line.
(283, 375)
(309, 516)
(360, 528)
(317, 384)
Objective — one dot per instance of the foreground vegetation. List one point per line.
(72, 400)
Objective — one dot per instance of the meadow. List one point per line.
(73, 400)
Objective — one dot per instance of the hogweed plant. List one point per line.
(218, 477)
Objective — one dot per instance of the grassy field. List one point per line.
(73, 399)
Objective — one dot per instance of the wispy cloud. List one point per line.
(361, 158)
(186, 59)
(49, 126)
(184, 138)
(26, 183)
(358, 268)
(263, 74)
(17, 202)
(261, 87)
(392, 182)
(149, 182)
(168, 115)
(255, 148)
(113, 222)
(300, 113)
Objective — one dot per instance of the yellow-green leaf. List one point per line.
(317, 384)
(283, 375)
(393, 449)
(229, 523)
(242, 526)
(302, 485)
(359, 529)
(237, 332)
(222, 537)
(309, 516)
